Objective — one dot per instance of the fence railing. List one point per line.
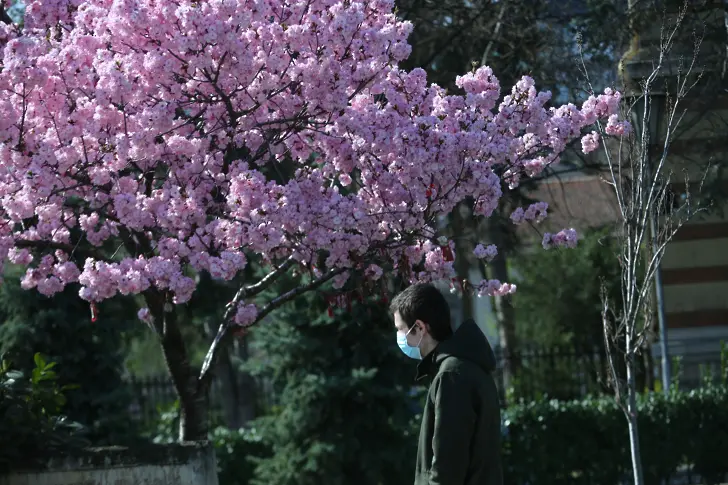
(155, 394)
(563, 372)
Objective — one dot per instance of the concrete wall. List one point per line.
(184, 464)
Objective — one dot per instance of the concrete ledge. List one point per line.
(177, 464)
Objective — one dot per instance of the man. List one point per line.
(460, 433)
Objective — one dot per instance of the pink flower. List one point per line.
(246, 314)
(147, 170)
(535, 212)
(145, 315)
(564, 238)
(373, 272)
(590, 142)
(340, 280)
(20, 256)
(617, 128)
(345, 179)
(487, 253)
(495, 288)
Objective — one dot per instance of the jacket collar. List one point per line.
(427, 366)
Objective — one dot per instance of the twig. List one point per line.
(4, 17)
(223, 330)
(608, 345)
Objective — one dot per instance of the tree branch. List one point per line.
(4, 17)
(496, 33)
(223, 331)
(268, 279)
(69, 248)
(290, 295)
(606, 327)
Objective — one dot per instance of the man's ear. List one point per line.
(422, 326)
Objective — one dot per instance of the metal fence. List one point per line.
(560, 372)
(563, 372)
(153, 395)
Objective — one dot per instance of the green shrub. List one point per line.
(549, 442)
(585, 442)
(235, 449)
(32, 426)
(703, 416)
(89, 355)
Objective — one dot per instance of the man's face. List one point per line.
(402, 328)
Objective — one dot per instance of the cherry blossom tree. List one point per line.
(143, 142)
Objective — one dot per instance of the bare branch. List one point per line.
(290, 295)
(68, 248)
(223, 331)
(4, 17)
(606, 325)
(496, 33)
(265, 282)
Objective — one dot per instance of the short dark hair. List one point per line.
(422, 301)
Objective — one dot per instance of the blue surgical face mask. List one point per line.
(409, 351)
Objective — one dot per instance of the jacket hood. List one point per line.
(467, 343)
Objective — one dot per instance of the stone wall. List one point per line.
(179, 464)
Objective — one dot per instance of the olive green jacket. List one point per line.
(461, 430)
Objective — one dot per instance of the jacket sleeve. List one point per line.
(454, 424)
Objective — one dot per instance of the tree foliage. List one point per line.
(147, 143)
(89, 355)
(567, 312)
(34, 425)
(344, 410)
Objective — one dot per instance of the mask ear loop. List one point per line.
(421, 336)
(418, 343)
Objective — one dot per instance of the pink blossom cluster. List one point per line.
(495, 288)
(245, 314)
(616, 127)
(166, 131)
(590, 142)
(145, 315)
(564, 238)
(534, 212)
(488, 253)
(373, 272)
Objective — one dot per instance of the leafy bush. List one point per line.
(89, 355)
(235, 449)
(585, 441)
(343, 403)
(32, 426)
(559, 327)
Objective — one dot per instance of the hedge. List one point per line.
(32, 426)
(585, 442)
(550, 442)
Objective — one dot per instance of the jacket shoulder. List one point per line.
(457, 365)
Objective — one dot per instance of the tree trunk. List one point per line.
(193, 424)
(649, 363)
(194, 416)
(634, 438)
